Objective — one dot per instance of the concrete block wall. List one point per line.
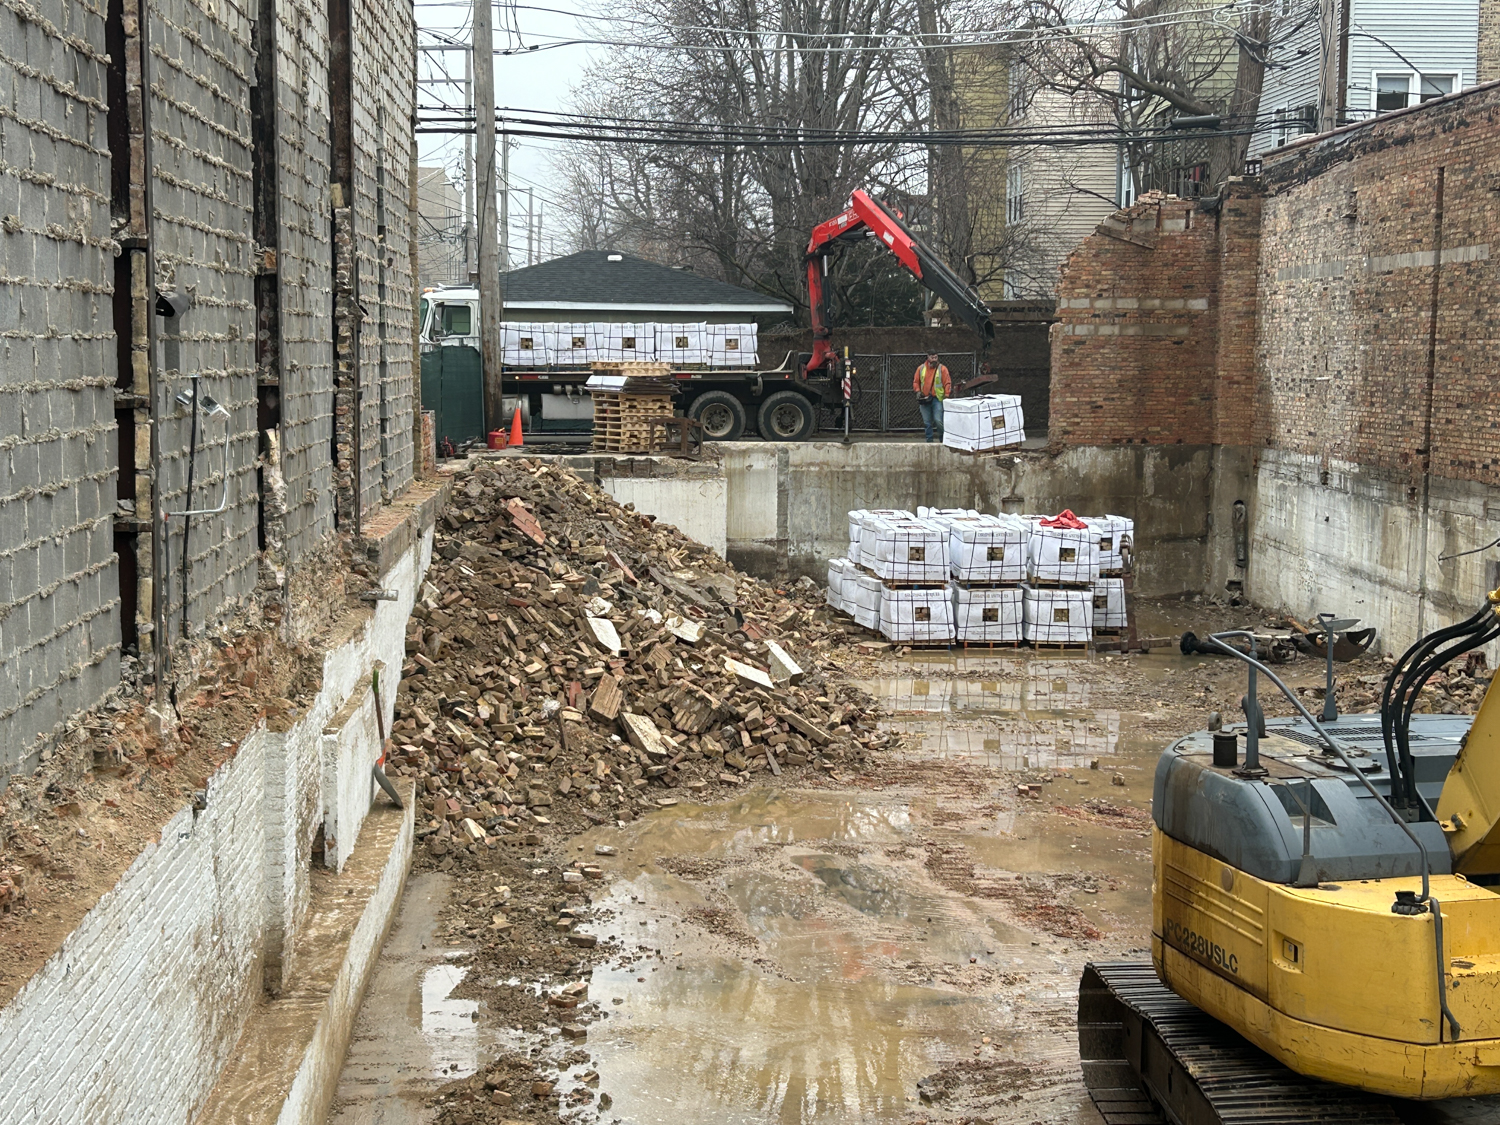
(59, 581)
(304, 272)
(383, 79)
(202, 67)
(134, 1018)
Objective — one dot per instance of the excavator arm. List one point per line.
(866, 218)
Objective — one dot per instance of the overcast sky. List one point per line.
(540, 80)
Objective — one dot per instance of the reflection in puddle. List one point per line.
(1040, 721)
(448, 1024)
(792, 958)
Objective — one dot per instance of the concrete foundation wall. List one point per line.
(1355, 545)
(781, 508)
(137, 1014)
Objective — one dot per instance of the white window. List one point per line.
(1436, 86)
(1392, 91)
(1020, 94)
(1015, 200)
(1293, 122)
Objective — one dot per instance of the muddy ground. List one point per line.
(901, 943)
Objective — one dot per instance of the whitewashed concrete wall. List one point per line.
(133, 1018)
(1352, 544)
(694, 505)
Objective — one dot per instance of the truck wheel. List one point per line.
(723, 416)
(787, 416)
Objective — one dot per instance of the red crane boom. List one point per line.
(867, 218)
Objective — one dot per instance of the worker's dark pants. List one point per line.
(932, 415)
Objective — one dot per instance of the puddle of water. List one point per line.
(448, 1024)
(859, 980)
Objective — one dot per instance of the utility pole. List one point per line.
(539, 250)
(470, 271)
(490, 353)
(1328, 65)
(528, 226)
(505, 204)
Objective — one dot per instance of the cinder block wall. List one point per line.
(78, 382)
(59, 577)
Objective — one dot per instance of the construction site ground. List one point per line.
(897, 941)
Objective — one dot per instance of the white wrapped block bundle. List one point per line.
(864, 606)
(870, 524)
(987, 614)
(525, 345)
(679, 344)
(1114, 532)
(1061, 554)
(1057, 616)
(573, 344)
(1109, 603)
(731, 345)
(839, 575)
(988, 549)
(856, 524)
(917, 616)
(983, 422)
(620, 342)
(906, 550)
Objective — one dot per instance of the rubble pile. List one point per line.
(571, 661)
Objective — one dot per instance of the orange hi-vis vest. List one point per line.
(929, 381)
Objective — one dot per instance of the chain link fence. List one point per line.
(883, 401)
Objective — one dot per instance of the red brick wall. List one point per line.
(1301, 311)
(1133, 349)
(1347, 295)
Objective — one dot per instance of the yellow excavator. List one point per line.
(1325, 941)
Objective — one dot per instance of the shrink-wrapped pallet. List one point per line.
(1053, 615)
(731, 345)
(905, 550)
(572, 345)
(983, 422)
(987, 613)
(525, 345)
(946, 513)
(1109, 603)
(988, 548)
(921, 616)
(868, 593)
(1114, 534)
(1063, 554)
(682, 344)
(863, 531)
(621, 342)
(839, 572)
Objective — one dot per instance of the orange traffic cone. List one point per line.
(515, 428)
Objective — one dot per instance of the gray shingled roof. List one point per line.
(588, 279)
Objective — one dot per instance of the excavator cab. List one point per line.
(1325, 914)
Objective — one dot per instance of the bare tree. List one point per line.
(1152, 60)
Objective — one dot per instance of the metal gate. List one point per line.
(882, 400)
(454, 391)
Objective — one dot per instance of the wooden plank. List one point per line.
(605, 704)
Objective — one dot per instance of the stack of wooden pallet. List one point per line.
(627, 396)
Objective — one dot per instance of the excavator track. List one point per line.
(1151, 1058)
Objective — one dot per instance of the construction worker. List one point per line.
(932, 385)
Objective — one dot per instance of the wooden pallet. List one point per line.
(968, 584)
(1052, 584)
(1109, 632)
(1060, 646)
(991, 644)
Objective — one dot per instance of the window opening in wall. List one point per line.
(1437, 86)
(1015, 199)
(1392, 91)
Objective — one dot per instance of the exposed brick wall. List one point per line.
(59, 580)
(202, 66)
(305, 273)
(1351, 290)
(384, 78)
(1133, 349)
(1489, 41)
